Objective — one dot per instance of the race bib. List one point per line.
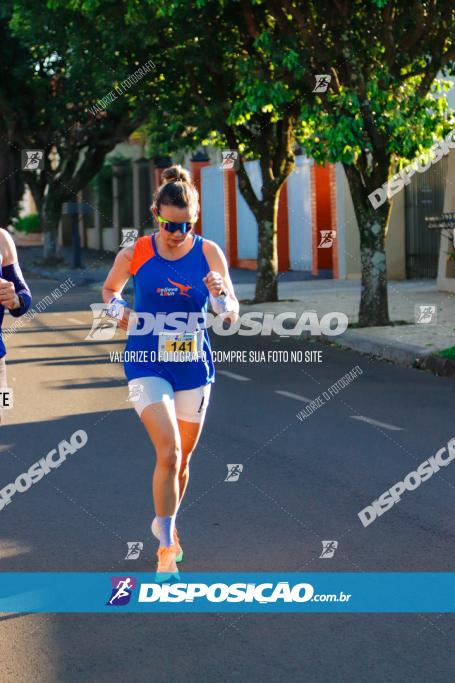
(182, 347)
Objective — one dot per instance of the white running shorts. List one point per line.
(190, 404)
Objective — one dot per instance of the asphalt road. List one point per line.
(302, 482)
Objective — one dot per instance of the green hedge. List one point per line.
(448, 353)
(28, 224)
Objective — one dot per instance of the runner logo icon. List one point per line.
(229, 159)
(134, 550)
(234, 472)
(426, 314)
(32, 159)
(103, 328)
(327, 237)
(122, 587)
(129, 237)
(322, 82)
(328, 549)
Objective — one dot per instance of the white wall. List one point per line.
(247, 229)
(299, 215)
(212, 204)
(110, 243)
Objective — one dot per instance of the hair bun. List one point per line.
(175, 174)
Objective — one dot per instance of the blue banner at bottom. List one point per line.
(228, 592)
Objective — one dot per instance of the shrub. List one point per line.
(28, 224)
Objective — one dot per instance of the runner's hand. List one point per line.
(214, 283)
(8, 296)
(123, 323)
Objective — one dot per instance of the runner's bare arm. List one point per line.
(218, 277)
(7, 248)
(116, 280)
(118, 275)
(219, 280)
(14, 291)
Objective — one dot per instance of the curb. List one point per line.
(80, 278)
(404, 354)
(443, 367)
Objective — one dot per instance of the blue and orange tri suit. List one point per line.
(165, 286)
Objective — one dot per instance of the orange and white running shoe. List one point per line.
(167, 566)
(155, 527)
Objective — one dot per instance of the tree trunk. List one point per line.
(374, 308)
(267, 266)
(274, 148)
(373, 223)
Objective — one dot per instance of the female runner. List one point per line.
(14, 293)
(175, 272)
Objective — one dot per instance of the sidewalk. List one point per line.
(408, 344)
(95, 264)
(400, 343)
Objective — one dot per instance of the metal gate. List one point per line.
(424, 197)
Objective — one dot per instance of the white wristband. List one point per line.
(116, 307)
(222, 304)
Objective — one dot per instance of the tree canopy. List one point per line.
(241, 75)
